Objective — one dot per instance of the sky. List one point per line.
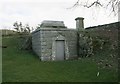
(33, 12)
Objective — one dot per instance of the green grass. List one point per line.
(24, 66)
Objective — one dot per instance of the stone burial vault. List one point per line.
(54, 41)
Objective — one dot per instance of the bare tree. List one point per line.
(27, 27)
(112, 4)
(21, 27)
(16, 25)
(32, 29)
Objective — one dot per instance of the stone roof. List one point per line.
(52, 24)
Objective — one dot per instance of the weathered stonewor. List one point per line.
(54, 41)
(45, 38)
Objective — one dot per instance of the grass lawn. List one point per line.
(24, 66)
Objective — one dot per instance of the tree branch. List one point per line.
(113, 4)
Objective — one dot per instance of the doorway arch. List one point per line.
(58, 44)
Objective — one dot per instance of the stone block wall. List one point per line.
(43, 42)
(107, 30)
(36, 43)
(93, 38)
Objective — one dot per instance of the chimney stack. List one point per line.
(79, 23)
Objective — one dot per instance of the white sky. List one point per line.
(34, 12)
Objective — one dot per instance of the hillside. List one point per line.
(24, 66)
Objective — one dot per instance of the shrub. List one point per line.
(89, 45)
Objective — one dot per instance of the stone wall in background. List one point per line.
(93, 39)
(107, 30)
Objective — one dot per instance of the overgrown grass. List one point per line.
(24, 66)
